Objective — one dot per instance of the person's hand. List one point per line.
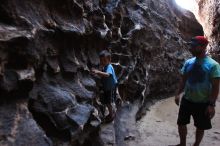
(94, 71)
(210, 111)
(177, 100)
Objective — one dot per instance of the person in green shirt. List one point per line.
(200, 82)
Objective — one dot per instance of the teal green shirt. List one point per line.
(199, 73)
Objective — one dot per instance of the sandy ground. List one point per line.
(158, 127)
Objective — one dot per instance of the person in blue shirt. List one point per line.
(200, 82)
(109, 82)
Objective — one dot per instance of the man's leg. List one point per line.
(201, 121)
(182, 133)
(110, 117)
(111, 99)
(183, 120)
(199, 136)
(108, 101)
(110, 109)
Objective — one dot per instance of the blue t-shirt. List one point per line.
(199, 73)
(110, 82)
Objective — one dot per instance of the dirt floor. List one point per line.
(158, 127)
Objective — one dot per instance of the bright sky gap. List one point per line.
(187, 4)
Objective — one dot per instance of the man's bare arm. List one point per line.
(215, 90)
(213, 97)
(100, 73)
(182, 84)
(180, 88)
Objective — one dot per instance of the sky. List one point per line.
(187, 4)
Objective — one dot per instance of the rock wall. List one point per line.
(17, 126)
(209, 17)
(47, 48)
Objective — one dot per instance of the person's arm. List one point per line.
(180, 88)
(215, 90)
(100, 73)
(213, 97)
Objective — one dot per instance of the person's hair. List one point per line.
(105, 53)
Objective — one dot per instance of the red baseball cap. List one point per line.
(198, 41)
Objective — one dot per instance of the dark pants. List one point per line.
(197, 111)
(108, 97)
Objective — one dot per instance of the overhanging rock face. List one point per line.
(47, 48)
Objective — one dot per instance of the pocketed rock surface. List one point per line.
(47, 94)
